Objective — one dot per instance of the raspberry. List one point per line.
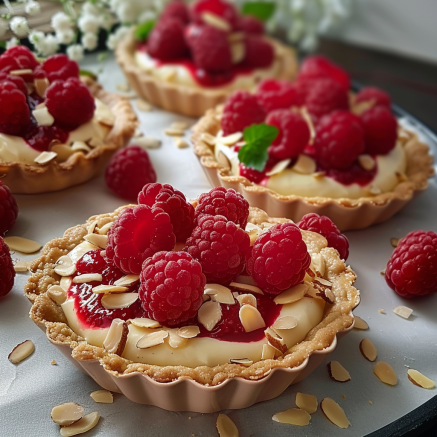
(241, 110)
(380, 130)
(17, 58)
(251, 174)
(129, 170)
(8, 209)
(278, 259)
(17, 80)
(339, 140)
(14, 115)
(59, 67)
(174, 203)
(380, 97)
(250, 25)
(259, 52)
(228, 203)
(176, 9)
(220, 246)
(70, 102)
(412, 269)
(136, 234)
(318, 67)
(172, 285)
(277, 94)
(7, 272)
(294, 134)
(221, 8)
(325, 226)
(166, 41)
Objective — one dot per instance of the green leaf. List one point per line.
(142, 31)
(259, 9)
(88, 73)
(258, 138)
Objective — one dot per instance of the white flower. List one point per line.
(147, 16)
(65, 36)
(297, 5)
(61, 21)
(90, 9)
(88, 24)
(106, 21)
(75, 52)
(32, 8)
(19, 26)
(50, 45)
(116, 37)
(12, 43)
(89, 40)
(129, 11)
(309, 41)
(4, 26)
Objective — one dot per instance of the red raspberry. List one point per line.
(14, 114)
(17, 58)
(166, 41)
(225, 10)
(174, 203)
(294, 134)
(241, 110)
(17, 80)
(278, 259)
(277, 94)
(412, 269)
(8, 209)
(220, 246)
(339, 140)
(253, 175)
(380, 130)
(228, 203)
(325, 226)
(249, 24)
(7, 272)
(259, 52)
(318, 67)
(58, 67)
(138, 233)
(129, 170)
(70, 102)
(176, 9)
(379, 97)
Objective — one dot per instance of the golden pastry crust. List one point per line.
(346, 213)
(50, 317)
(185, 100)
(78, 168)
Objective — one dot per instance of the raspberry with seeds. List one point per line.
(251, 25)
(251, 174)
(223, 9)
(137, 234)
(176, 9)
(278, 259)
(174, 203)
(14, 114)
(241, 110)
(378, 96)
(228, 203)
(220, 246)
(59, 67)
(412, 269)
(17, 80)
(325, 226)
(129, 170)
(8, 209)
(7, 271)
(18, 58)
(259, 52)
(278, 94)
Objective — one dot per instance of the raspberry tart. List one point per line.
(311, 146)
(196, 306)
(57, 128)
(196, 55)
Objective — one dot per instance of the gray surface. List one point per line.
(29, 390)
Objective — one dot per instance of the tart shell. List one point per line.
(78, 168)
(202, 389)
(348, 214)
(189, 101)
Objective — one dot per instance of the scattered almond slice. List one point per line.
(175, 340)
(41, 86)
(87, 277)
(115, 301)
(246, 287)
(22, 72)
(366, 162)
(209, 314)
(180, 125)
(65, 283)
(275, 340)
(219, 293)
(22, 245)
(251, 318)
(105, 228)
(318, 264)
(293, 294)
(43, 116)
(116, 338)
(231, 139)
(98, 240)
(171, 132)
(334, 413)
(226, 427)
(57, 294)
(180, 143)
(338, 372)
(403, 311)
(67, 414)
(45, 157)
(306, 402)
(304, 165)
(360, 323)
(148, 143)
(385, 373)
(53, 363)
(92, 227)
(144, 322)
(152, 339)
(80, 146)
(381, 311)
(236, 36)
(293, 416)
(123, 87)
(238, 51)
(208, 138)
(368, 350)
(127, 280)
(102, 397)
(394, 242)
(419, 379)
(21, 266)
(83, 425)
(188, 331)
(285, 322)
(375, 190)
(246, 299)
(279, 167)
(242, 361)
(268, 352)
(21, 351)
(142, 105)
(216, 21)
(106, 289)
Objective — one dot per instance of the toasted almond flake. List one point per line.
(142, 105)
(98, 240)
(87, 277)
(169, 75)
(370, 402)
(174, 340)
(338, 372)
(229, 140)
(180, 143)
(22, 245)
(368, 349)
(208, 138)
(394, 242)
(246, 287)
(403, 311)
(247, 299)
(307, 117)
(375, 190)
(306, 402)
(105, 228)
(106, 289)
(115, 301)
(360, 323)
(41, 86)
(124, 87)
(65, 266)
(62, 150)
(80, 146)
(45, 157)
(91, 227)
(53, 362)
(236, 36)
(366, 162)
(242, 361)
(219, 293)
(279, 167)
(21, 266)
(223, 160)
(334, 413)
(385, 373)
(304, 165)
(188, 331)
(22, 72)
(360, 107)
(285, 322)
(65, 282)
(293, 294)
(57, 294)
(209, 314)
(322, 281)
(251, 318)
(174, 132)
(226, 427)
(21, 351)
(216, 21)
(318, 264)
(293, 416)
(144, 322)
(127, 280)
(275, 340)
(148, 142)
(420, 379)
(87, 422)
(152, 339)
(43, 116)
(402, 177)
(238, 51)
(381, 311)
(268, 352)
(67, 414)
(318, 175)
(382, 272)
(116, 338)
(312, 292)
(102, 396)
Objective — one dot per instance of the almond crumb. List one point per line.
(370, 403)
(381, 311)
(53, 363)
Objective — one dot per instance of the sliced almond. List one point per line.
(420, 379)
(43, 116)
(80, 146)
(142, 105)
(268, 352)
(92, 227)
(318, 264)
(368, 350)
(180, 143)
(394, 242)
(360, 323)
(323, 291)
(304, 165)
(127, 280)
(174, 340)
(223, 160)
(293, 294)
(375, 190)
(45, 157)
(247, 299)
(65, 282)
(98, 240)
(385, 373)
(334, 413)
(23, 245)
(311, 291)
(226, 427)
(188, 331)
(242, 361)
(293, 416)
(230, 140)
(116, 337)
(21, 266)
(251, 318)
(22, 72)
(306, 402)
(144, 322)
(115, 301)
(238, 51)
(87, 277)
(181, 125)
(216, 21)
(105, 228)
(152, 339)
(208, 138)
(209, 314)
(148, 143)
(236, 36)
(171, 132)
(107, 289)
(57, 294)
(338, 372)
(275, 340)
(220, 293)
(402, 177)
(102, 396)
(279, 167)
(403, 311)
(323, 282)
(246, 287)
(65, 266)
(285, 322)
(381, 311)
(41, 86)
(21, 351)
(67, 414)
(87, 422)
(123, 87)
(62, 150)
(366, 162)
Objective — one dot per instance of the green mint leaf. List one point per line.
(88, 73)
(258, 138)
(259, 9)
(142, 31)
